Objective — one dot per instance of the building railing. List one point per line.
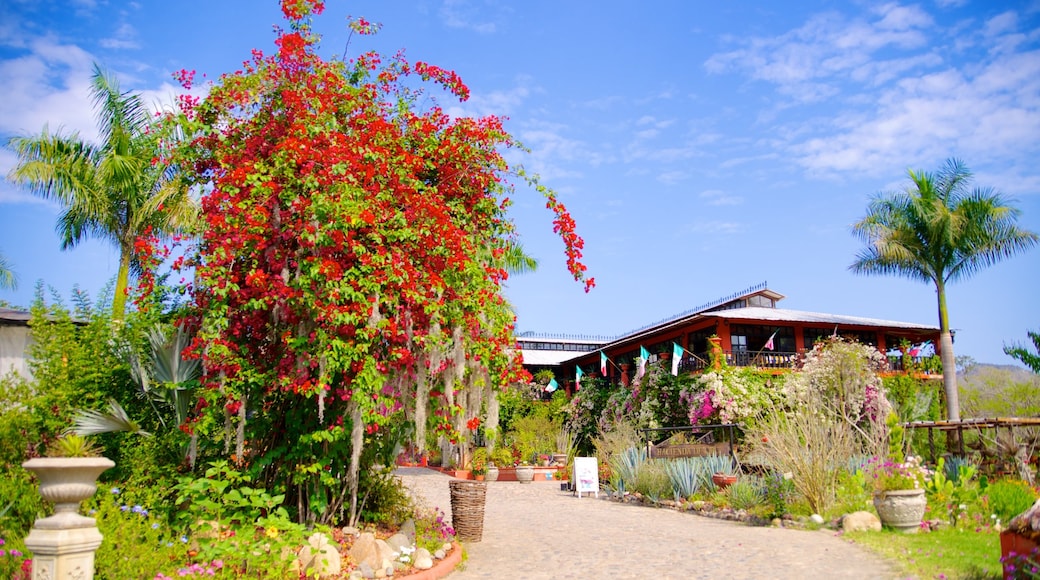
(741, 358)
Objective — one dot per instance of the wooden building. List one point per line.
(752, 330)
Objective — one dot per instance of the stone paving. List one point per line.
(537, 531)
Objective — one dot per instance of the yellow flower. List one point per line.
(271, 533)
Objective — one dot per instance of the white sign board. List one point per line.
(586, 475)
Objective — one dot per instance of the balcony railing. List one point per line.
(742, 358)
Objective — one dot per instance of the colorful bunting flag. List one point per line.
(603, 363)
(677, 352)
(552, 386)
(641, 362)
(577, 380)
(769, 343)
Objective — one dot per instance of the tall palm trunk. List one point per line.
(122, 282)
(953, 407)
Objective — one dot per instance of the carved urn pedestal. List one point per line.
(63, 544)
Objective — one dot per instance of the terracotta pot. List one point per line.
(723, 480)
(1012, 541)
(479, 477)
(901, 509)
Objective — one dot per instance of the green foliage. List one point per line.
(1023, 355)
(687, 476)
(988, 391)
(244, 526)
(1007, 498)
(624, 468)
(73, 445)
(14, 563)
(432, 529)
(651, 479)
(952, 495)
(746, 494)
(224, 495)
(137, 542)
(383, 498)
(945, 553)
(778, 492)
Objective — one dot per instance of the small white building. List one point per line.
(15, 339)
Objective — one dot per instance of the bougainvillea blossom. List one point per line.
(350, 244)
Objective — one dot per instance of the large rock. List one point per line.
(408, 529)
(422, 559)
(398, 542)
(861, 522)
(376, 553)
(321, 557)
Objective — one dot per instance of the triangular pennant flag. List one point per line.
(641, 363)
(769, 343)
(552, 386)
(835, 335)
(677, 352)
(577, 379)
(603, 363)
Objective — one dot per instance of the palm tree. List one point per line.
(111, 190)
(939, 230)
(8, 281)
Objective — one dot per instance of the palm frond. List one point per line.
(92, 422)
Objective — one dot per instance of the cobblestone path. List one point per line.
(536, 531)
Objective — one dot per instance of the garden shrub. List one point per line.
(651, 480)
(746, 494)
(778, 491)
(1007, 498)
(14, 564)
(137, 542)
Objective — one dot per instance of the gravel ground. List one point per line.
(537, 531)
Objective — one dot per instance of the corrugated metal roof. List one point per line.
(15, 317)
(548, 357)
(784, 315)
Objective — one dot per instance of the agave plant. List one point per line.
(624, 467)
(687, 476)
(92, 422)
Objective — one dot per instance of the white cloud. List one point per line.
(889, 98)
(716, 227)
(47, 86)
(124, 38)
(719, 197)
(458, 14)
(806, 62)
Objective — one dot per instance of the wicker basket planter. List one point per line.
(467, 509)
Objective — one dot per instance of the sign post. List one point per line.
(586, 475)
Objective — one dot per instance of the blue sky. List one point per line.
(701, 147)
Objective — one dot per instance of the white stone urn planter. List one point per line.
(492, 473)
(525, 473)
(901, 509)
(63, 544)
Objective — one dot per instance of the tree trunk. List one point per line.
(953, 407)
(122, 281)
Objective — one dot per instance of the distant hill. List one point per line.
(989, 390)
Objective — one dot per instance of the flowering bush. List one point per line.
(730, 396)
(13, 563)
(888, 475)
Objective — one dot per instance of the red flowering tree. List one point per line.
(350, 264)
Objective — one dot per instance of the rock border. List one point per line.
(441, 569)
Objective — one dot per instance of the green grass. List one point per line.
(946, 553)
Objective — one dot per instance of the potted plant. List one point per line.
(479, 463)
(899, 493)
(68, 475)
(65, 542)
